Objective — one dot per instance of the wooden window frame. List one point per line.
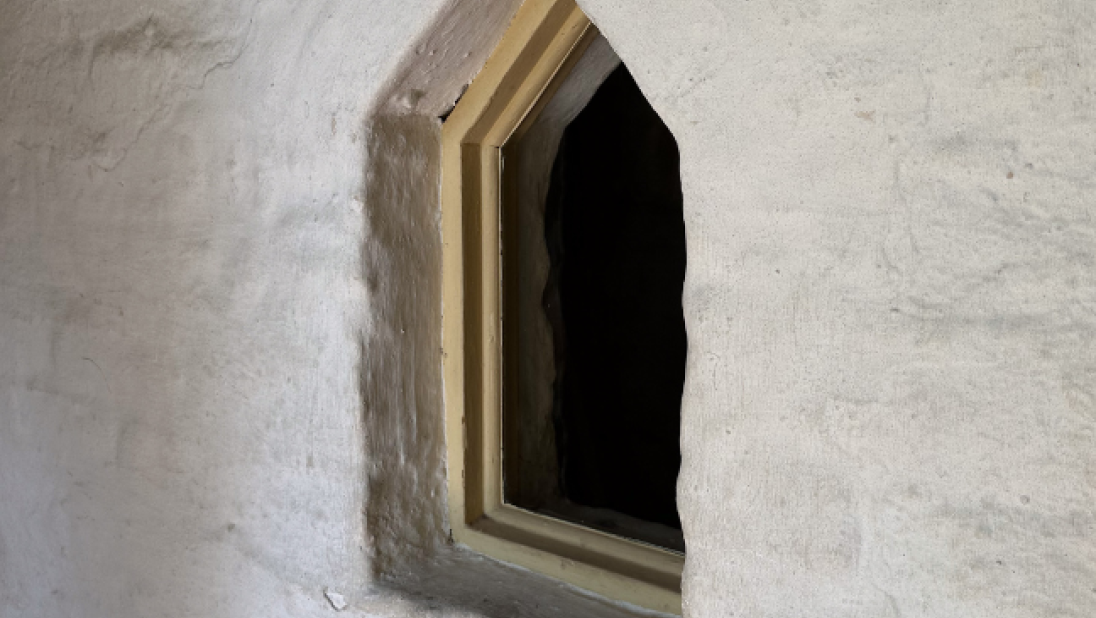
(542, 44)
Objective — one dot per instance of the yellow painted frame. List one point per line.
(541, 45)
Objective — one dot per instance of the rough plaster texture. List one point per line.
(219, 306)
(890, 408)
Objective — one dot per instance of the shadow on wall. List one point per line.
(400, 363)
(400, 371)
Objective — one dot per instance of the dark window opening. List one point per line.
(616, 238)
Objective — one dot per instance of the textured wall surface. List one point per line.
(890, 407)
(181, 303)
(219, 306)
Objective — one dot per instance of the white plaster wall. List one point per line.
(181, 303)
(218, 306)
(890, 406)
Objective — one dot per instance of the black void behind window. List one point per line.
(616, 238)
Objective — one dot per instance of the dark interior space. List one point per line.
(616, 238)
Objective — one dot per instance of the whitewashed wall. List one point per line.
(218, 306)
(890, 409)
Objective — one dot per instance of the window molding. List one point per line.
(540, 47)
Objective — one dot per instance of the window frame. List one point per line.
(542, 44)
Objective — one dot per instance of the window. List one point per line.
(562, 422)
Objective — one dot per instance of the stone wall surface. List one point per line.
(219, 260)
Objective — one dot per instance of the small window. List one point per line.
(564, 339)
